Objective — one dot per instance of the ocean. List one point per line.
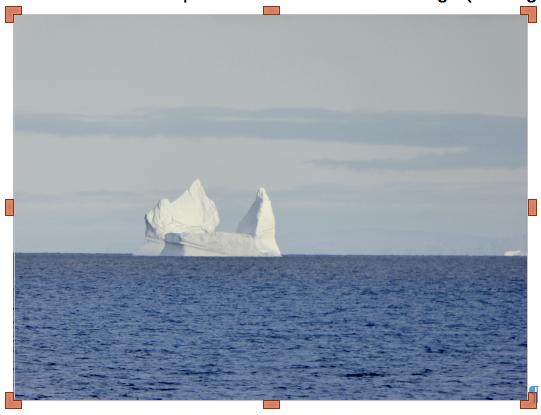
(119, 327)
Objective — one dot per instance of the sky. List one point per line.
(413, 123)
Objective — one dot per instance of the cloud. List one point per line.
(405, 192)
(488, 157)
(389, 128)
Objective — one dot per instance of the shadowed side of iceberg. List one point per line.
(151, 248)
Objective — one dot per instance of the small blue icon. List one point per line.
(536, 390)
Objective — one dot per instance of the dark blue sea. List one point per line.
(297, 327)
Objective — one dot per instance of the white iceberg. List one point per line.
(187, 226)
(259, 223)
(211, 244)
(515, 253)
(193, 212)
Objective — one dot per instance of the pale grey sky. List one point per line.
(386, 122)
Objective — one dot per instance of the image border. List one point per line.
(389, 7)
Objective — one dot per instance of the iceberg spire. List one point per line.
(260, 224)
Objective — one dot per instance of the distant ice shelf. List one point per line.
(186, 227)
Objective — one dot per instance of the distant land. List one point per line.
(393, 242)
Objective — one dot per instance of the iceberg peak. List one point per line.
(192, 212)
(260, 224)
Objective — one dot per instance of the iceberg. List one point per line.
(186, 227)
(211, 244)
(193, 212)
(259, 223)
(516, 253)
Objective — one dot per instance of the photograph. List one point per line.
(249, 207)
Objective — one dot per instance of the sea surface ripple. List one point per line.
(297, 327)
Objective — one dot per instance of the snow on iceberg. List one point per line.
(186, 228)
